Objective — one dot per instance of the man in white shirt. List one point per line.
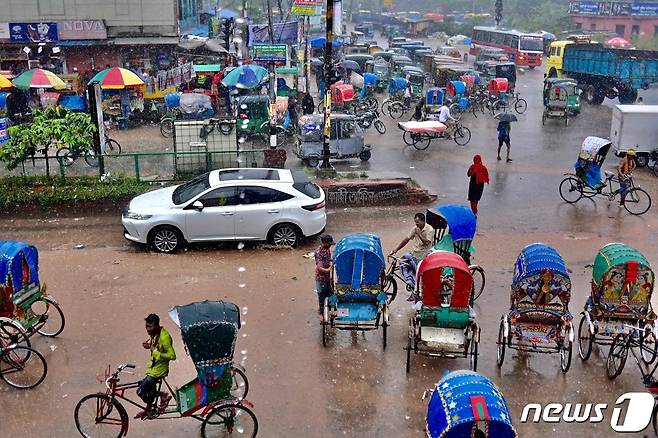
(421, 237)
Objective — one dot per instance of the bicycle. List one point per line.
(457, 132)
(572, 189)
(68, 155)
(520, 105)
(21, 367)
(100, 413)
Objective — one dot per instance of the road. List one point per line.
(352, 388)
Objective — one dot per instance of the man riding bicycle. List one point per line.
(162, 352)
(422, 238)
(625, 173)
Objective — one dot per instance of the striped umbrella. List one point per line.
(5, 83)
(38, 78)
(117, 78)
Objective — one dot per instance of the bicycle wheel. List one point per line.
(240, 384)
(229, 420)
(478, 281)
(499, 106)
(571, 189)
(12, 333)
(637, 201)
(112, 147)
(22, 367)
(91, 158)
(585, 339)
(380, 127)
(386, 107)
(649, 346)
(65, 156)
(98, 415)
(520, 106)
(421, 141)
(456, 111)
(51, 315)
(406, 138)
(462, 135)
(396, 110)
(617, 356)
(167, 127)
(390, 287)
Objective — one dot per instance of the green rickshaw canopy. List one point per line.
(615, 254)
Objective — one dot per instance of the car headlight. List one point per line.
(137, 216)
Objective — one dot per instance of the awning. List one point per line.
(146, 41)
(73, 43)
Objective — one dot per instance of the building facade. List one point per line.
(630, 19)
(87, 35)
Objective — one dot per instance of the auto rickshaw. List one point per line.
(571, 88)
(372, 49)
(397, 62)
(444, 73)
(494, 69)
(416, 78)
(360, 59)
(253, 114)
(346, 139)
(380, 69)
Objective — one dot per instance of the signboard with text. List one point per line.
(305, 7)
(82, 30)
(613, 8)
(270, 53)
(43, 32)
(283, 33)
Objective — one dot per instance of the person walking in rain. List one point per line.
(323, 262)
(503, 137)
(479, 177)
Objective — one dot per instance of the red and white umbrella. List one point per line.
(618, 42)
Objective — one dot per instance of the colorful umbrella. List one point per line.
(5, 83)
(116, 78)
(38, 78)
(618, 42)
(246, 76)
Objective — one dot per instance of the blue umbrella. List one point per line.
(246, 76)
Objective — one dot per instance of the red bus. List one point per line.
(524, 49)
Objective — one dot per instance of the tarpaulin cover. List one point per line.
(359, 260)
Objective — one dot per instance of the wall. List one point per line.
(647, 25)
(88, 57)
(157, 16)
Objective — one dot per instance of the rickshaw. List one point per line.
(539, 320)
(561, 99)
(394, 105)
(360, 59)
(420, 134)
(26, 307)
(399, 61)
(622, 285)
(416, 78)
(342, 96)
(367, 93)
(380, 69)
(499, 88)
(466, 404)
(454, 230)
(445, 325)
(216, 397)
(359, 301)
(586, 181)
(346, 139)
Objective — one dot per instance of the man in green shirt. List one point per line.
(162, 351)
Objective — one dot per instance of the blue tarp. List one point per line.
(319, 42)
(455, 399)
(396, 85)
(359, 260)
(434, 96)
(16, 259)
(460, 219)
(3, 99)
(73, 103)
(535, 258)
(589, 172)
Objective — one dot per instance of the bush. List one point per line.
(16, 192)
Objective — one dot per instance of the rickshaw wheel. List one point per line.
(12, 333)
(384, 324)
(365, 155)
(616, 357)
(86, 416)
(566, 120)
(406, 138)
(474, 354)
(408, 353)
(240, 384)
(649, 345)
(227, 419)
(654, 169)
(478, 285)
(520, 106)
(500, 347)
(47, 308)
(390, 287)
(640, 201)
(565, 356)
(462, 135)
(396, 110)
(22, 367)
(543, 119)
(421, 141)
(571, 189)
(585, 339)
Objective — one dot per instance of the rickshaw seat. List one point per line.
(353, 311)
(445, 317)
(540, 316)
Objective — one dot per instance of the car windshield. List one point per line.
(532, 44)
(190, 189)
(381, 68)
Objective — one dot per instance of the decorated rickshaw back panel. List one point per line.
(19, 276)
(455, 281)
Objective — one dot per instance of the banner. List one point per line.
(33, 32)
(284, 33)
(306, 7)
(4, 136)
(270, 53)
(644, 9)
(174, 77)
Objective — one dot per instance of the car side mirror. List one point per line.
(197, 205)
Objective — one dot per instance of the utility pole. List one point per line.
(328, 47)
(272, 77)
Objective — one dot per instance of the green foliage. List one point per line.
(16, 192)
(52, 127)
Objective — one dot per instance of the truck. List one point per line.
(602, 71)
(634, 127)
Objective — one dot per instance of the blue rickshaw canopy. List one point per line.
(370, 79)
(460, 219)
(536, 258)
(463, 398)
(19, 264)
(359, 260)
(397, 84)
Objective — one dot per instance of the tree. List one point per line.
(52, 127)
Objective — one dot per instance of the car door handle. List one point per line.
(227, 213)
(273, 211)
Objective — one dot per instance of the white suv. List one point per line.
(277, 205)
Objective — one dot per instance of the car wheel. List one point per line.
(284, 235)
(165, 239)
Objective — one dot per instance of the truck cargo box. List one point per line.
(634, 127)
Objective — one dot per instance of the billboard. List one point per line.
(283, 33)
(270, 52)
(43, 32)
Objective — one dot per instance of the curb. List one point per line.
(358, 193)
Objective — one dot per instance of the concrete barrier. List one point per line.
(362, 193)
